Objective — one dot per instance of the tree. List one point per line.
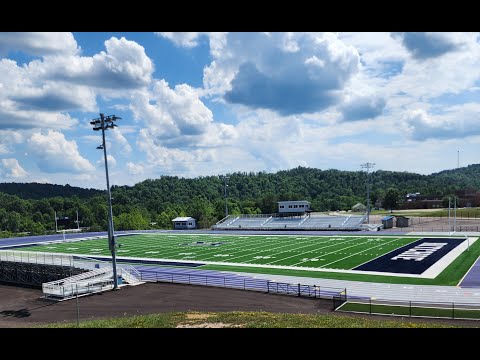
(392, 197)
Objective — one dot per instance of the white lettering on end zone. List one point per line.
(420, 252)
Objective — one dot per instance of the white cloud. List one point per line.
(362, 108)
(40, 94)
(424, 45)
(11, 169)
(54, 153)
(289, 73)
(184, 39)
(38, 43)
(123, 66)
(112, 162)
(119, 141)
(8, 139)
(217, 40)
(454, 122)
(177, 118)
(135, 169)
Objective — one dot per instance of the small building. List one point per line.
(295, 207)
(387, 221)
(402, 221)
(182, 223)
(359, 207)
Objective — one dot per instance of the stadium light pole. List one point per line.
(225, 179)
(368, 166)
(104, 123)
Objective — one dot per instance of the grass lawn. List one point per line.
(245, 320)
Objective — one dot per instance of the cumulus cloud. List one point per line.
(216, 40)
(38, 43)
(362, 108)
(39, 94)
(455, 122)
(290, 73)
(120, 141)
(424, 45)
(8, 139)
(55, 97)
(177, 117)
(184, 39)
(135, 169)
(54, 153)
(11, 169)
(112, 162)
(124, 65)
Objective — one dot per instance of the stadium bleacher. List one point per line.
(304, 222)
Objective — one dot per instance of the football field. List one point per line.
(293, 251)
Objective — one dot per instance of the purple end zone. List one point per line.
(472, 279)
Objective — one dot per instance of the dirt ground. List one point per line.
(20, 307)
(433, 224)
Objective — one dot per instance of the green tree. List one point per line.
(392, 197)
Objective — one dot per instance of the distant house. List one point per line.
(294, 207)
(359, 207)
(182, 223)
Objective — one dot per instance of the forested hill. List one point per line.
(154, 203)
(41, 191)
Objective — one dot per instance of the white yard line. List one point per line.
(346, 257)
(317, 249)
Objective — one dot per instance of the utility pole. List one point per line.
(449, 226)
(78, 222)
(368, 166)
(455, 213)
(225, 179)
(56, 225)
(458, 159)
(104, 123)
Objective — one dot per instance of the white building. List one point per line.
(184, 223)
(293, 206)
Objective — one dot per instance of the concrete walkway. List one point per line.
(403, 292)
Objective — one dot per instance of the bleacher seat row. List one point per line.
(262, 222)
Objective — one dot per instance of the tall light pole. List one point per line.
(368, 166)
(104, 123)
(225, 179)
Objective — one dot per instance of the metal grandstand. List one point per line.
(79, 275)
(301, 222)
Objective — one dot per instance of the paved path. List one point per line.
(472, 278)
(402, 292)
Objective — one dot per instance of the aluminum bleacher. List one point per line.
(304, 222)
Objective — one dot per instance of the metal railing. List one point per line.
(404, 308)
(338, 295)
(33, 257)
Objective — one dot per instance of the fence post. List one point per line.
(453, 310)
(370, 306)
(298, 289)
(243, 284)
(268, 286)
(410, 308)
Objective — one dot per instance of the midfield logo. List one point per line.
(420, 252)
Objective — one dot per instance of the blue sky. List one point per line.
(198, 104)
